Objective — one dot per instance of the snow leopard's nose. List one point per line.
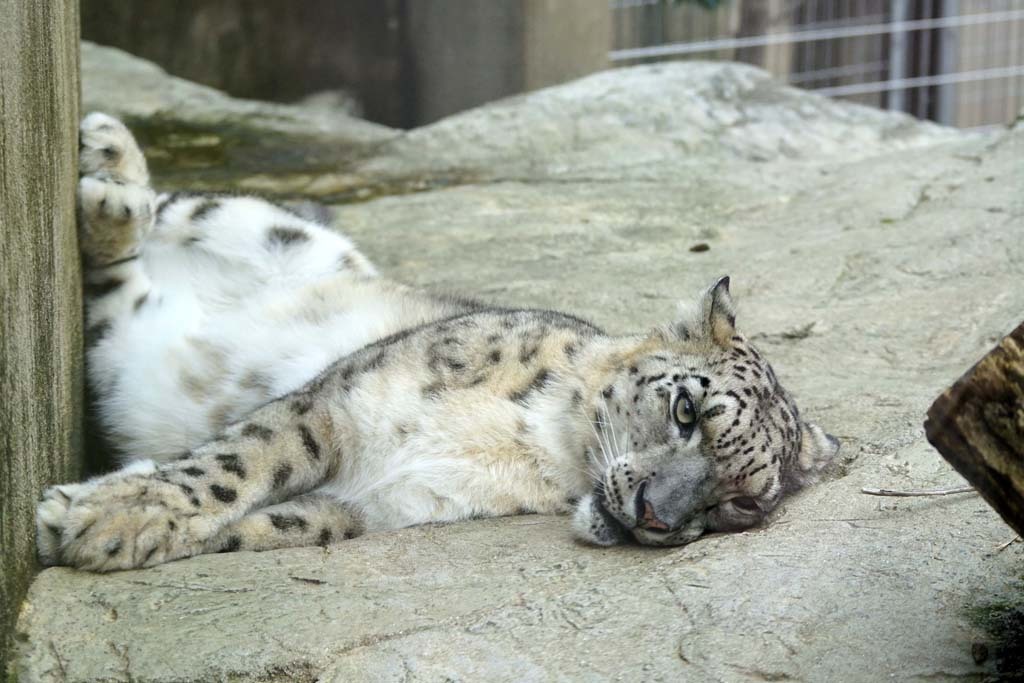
(646, 517)
(666, 501)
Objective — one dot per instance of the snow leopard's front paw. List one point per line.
(119, 522)
(51, 513)
(107, 149)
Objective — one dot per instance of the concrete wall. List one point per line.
(407, 62)
(40, 297)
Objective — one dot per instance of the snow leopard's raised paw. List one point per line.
(116, 204)
(107, 149)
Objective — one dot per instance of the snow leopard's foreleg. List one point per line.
(147, 514)
(116, 210)
(309, 520)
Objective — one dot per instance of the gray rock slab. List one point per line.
(641, 123)
(198, 136)
(871, 270)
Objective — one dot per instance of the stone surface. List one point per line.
(40, 296)
(873, 259)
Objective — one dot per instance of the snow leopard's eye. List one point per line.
(684, 413)
(745, 504)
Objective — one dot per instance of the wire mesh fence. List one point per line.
(959, 62)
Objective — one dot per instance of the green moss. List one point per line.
(1003, 620)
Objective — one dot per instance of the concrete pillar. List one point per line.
(463, 53)
(563, 40)
(40, 293)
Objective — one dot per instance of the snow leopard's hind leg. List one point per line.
(116, 209)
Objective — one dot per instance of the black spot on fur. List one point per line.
(495, 356)
(281, 475)
(431, 391)
(152, 551)
(140, 301)
(230, 462)
(301, 406)
(111, 153)
(279, 236)
(223, 493)
(101, 289)
(309, 443)
(204, 209)
(231, 545)
(115, 547)
(95, 334)
(286, 522)
(257, 431)
(194, 471)
(167, 202)
(324, 539)
(528, 353)
(608, 392)
(536, 384)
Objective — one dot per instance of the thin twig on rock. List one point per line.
(1004, 546)
(921, 492)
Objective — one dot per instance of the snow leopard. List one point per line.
(267, 388)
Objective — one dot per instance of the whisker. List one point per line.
(604, 452)
(617, 448)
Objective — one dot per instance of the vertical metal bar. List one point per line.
(949, 45)
(897, 100)
(924, 64)
(1015, 55)
(828, 58)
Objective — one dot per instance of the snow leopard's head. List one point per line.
(693, 433)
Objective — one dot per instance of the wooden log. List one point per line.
(40, 283)
(978, 426)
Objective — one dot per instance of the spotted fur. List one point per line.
(269, 390)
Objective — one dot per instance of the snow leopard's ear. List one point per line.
(711, 317)
(817, 451)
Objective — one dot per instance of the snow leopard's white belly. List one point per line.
(223, 324)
